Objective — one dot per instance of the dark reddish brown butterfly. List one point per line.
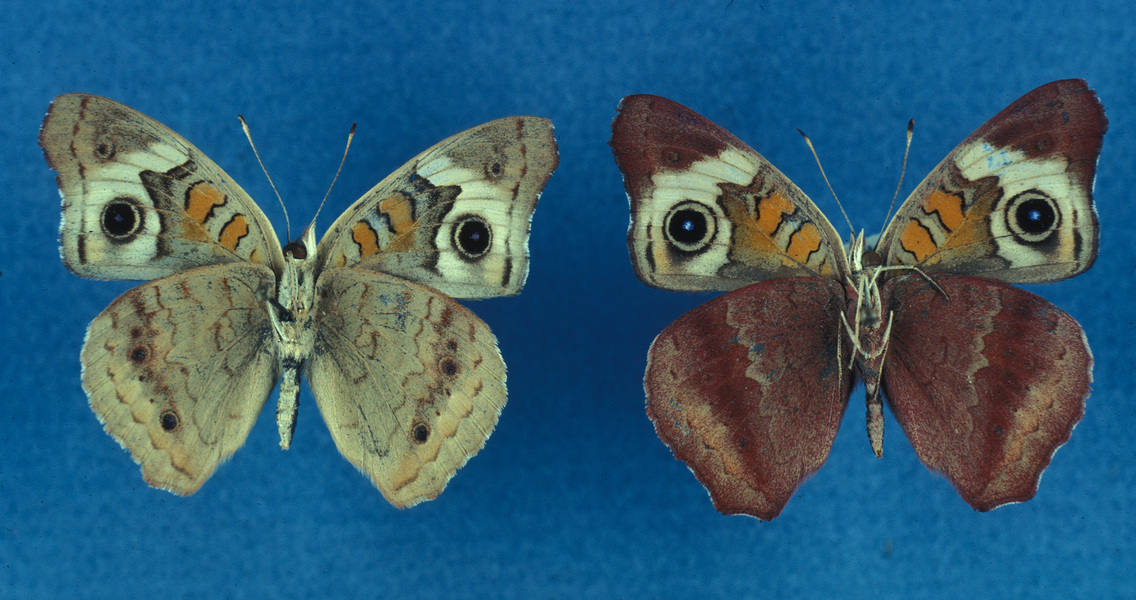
(986, 379)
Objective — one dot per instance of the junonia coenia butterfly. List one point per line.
(409, 381)
(986, 379)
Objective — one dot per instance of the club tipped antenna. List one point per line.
(822, 174)
(350, 136)
(902, 172)
(248, 134)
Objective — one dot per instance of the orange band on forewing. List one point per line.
(917, 240)
(771, 211)
(201, 199)
(949, 207)
(755, 235)
(398, 210)
(233, 231)
(804, 242)
(365, 238)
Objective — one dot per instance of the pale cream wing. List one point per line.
(1014, 201)
(409, 381)
(178, 369)
(456, 217)
(141, 202)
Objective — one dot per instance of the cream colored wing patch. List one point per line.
(456, 217)
(1014, 200)
(409, 381)
(141, 202)
(178, 369)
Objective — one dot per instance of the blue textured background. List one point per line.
(573, 496)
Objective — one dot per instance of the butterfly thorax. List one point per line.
(292, 315)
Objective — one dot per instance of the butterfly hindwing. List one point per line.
(409, 381)
(987, 381)
(178, 369)
(749, 388)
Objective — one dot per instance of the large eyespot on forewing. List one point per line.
(690, 227)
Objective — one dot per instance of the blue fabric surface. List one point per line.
(573, 496)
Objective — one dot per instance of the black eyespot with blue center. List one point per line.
(121, 219)
(1032, 216)
(690, 226)
(472, 237)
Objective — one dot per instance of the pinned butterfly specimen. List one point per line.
(986, 379)
(409, 381)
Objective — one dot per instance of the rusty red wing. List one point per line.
(748, 390)
(652, 132)
(987, 381)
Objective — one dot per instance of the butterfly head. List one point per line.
(301, 247)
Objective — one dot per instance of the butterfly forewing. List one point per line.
(455, 217)
(141, 202)
(707, 211)
(1014, 200)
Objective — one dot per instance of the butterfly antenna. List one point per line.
(902, 171)
(821, 167)
(248, 134)
(350, 136)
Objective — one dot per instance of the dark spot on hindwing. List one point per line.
(1033, 217)
(472, 237)
(449, 366)
(690, 227)
(169, 420)
(419, 432)
(121, 220)
(139, 354)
